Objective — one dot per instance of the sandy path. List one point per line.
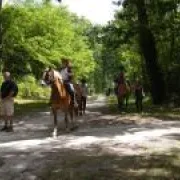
(30, 153)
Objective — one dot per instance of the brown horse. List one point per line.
(124, 92)
(59, 100)
(78, 93)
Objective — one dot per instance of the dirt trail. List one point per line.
(105, 146)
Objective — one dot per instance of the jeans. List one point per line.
(70, 89)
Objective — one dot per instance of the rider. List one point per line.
(121, 79)
(84, 94)
(139, 95)
(67, 76)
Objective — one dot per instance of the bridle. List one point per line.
(50, 76)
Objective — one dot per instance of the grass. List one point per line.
(163, 111)
(23, 106)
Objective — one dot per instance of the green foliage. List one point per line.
(121, 41)
(38, 36)
(30, 88)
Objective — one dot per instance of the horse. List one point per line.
(59, 99)
(78, 94)
(123, 94)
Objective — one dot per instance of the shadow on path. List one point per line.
(106, 146)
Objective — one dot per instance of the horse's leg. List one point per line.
(126, 102)
(73, 119)
(66, 121)
(119, 102)
(137, 104)
(84, 105)
(127, 99)
(122, 102)
(141, 105)
(55, 122)
(76, 109)
(71, 113)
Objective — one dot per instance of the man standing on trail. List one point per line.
(67, 76)
(121, 79)
(139, 95)
(9, 90)
(84, 94)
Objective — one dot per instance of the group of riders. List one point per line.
(66, 95)
(78, 91)
(123, 90)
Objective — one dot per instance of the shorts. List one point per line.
(7, 107)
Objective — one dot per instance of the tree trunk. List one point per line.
(148, 48)
(1, 43)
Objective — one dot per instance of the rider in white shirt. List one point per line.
(67, 76)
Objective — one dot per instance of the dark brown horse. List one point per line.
(78, 93)
(59, 100)
(123, 95)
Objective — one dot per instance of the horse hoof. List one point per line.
(67, 130)
(55, 133)
(74, 127)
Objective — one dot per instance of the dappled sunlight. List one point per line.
(105, 145)
(113, 140)
(153, 172)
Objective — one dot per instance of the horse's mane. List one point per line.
(57, 75)
(58, 89)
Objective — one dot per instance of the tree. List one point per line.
(148, 47)
(46, 34)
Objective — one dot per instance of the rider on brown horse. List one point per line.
(121, 79)
(67, 76)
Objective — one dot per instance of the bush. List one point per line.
(31, 89)
(1, 79)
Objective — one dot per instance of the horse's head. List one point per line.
(47, 77)
(50, 75)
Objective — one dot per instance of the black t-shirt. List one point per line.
(7, 87)
(139, 92)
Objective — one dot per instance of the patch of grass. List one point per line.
(112, 103)
(23, 106)
(149, 110)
